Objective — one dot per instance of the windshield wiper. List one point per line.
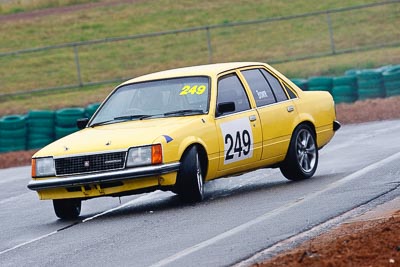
(100, 123)
(133, 117)
(184, 112)
(122, 118)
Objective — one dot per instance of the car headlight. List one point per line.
(144, 155)
(42, 167)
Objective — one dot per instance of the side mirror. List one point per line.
(82, 123)
(225, 107)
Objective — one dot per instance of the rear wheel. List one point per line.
(302, 157)
(67, 209)
(190, 180)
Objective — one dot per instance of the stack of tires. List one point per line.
(40, 128)
(320, 84)
(66, 121)
(344, 89)
(391, 81)
(370, 84)
(12, 133)
(301, 83)
(91, 109)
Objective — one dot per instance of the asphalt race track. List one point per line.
(240, 217)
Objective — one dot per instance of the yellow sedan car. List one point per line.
(177, 129)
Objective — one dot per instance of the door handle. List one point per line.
(252, 117)
(290, 108)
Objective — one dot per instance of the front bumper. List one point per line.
(103, 177)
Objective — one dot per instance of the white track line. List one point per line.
(129, 203)
(275, 212)
(28, 242)
(14, 198)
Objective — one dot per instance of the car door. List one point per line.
(276, 110)
(238, 127)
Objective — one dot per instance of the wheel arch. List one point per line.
(308, 123)
(305, 119)
(304, 122)
(202, 155)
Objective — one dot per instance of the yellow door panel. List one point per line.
(277, 124)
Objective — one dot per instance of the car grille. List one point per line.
(90, 163)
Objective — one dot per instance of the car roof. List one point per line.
(203, 70)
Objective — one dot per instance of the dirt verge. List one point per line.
(369, 240)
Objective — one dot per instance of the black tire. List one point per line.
(67, 209)
(302, 157)
(190, 180)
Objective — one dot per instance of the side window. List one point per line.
(290, 92)
(259, 86)
(275, 85)
(230, 89)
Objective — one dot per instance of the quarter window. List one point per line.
(275, 85)
(290, 92)
(230, 89)
(259, 86)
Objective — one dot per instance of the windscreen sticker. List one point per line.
(193, 89)
(238, 140)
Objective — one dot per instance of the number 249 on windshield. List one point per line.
(195, 89)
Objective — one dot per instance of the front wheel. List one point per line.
(302, 157)
(67, 209)
(190, 180)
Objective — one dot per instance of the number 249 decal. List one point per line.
(195, 89)
(237, 139)
(235, 144)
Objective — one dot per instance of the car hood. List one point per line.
(118, 136)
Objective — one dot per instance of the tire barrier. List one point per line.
(13, 132)
(320, 84)
(66, 121)
(357, 84)
(301, 83)
(40, 128)
(370, 84)
(391, 80)
(91, 109)
(344, 89)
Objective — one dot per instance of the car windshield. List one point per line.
(161, 98)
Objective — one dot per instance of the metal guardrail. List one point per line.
(207, 29)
